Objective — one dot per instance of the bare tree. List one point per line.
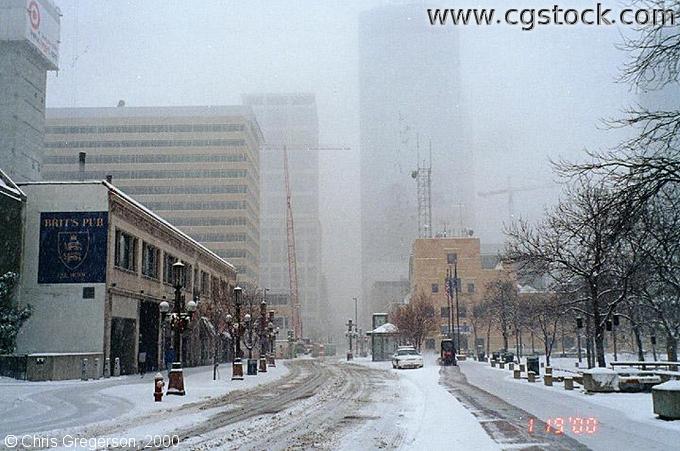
(658, 285)
(415, 320)
(578, 244)
(547, 312)
(501, 300)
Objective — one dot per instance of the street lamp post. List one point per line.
(264, 336)
(349, 334)
(234, 328)
(179, 321)
(249, 342)
(579, 326)
(273, 332)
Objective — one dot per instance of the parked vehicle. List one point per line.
(447, 354)
(407, 357)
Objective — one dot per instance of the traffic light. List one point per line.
(579, 322)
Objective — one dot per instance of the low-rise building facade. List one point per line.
(96, 265)
(431, 261)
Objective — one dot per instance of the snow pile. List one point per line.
(387, 328)
(600, 380)
(668, 386)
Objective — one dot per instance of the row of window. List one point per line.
(150, 128)
(462, 312)
(219, 237)
(201, 221)
(186, 189)
(157, 158)
(149, 174)
(198, 205)
(470, 288)
(125, 257)
(140, 143)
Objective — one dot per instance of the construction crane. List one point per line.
(510, 191)
(292, 260)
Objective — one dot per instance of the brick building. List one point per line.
(430, 260)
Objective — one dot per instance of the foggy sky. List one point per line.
(529, 95)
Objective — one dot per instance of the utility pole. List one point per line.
(455, 286)
(449, 296)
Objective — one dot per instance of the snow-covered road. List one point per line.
(625, 420)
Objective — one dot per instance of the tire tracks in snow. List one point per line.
(505, 423)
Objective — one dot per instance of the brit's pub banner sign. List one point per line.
(73, 247)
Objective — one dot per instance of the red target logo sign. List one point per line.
(34, 14)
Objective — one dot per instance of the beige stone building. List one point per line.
(197, 167)
(431, 258)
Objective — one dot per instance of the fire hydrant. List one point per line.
(158, 384)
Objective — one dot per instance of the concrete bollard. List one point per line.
(84, 368)
(522, 367)
(568, 383)
(502, 365)
(511, 366)
(542, 364)
(97, 368)
(531, 376)
(547, 380)
(116, 367)
(493, 364)
(548, 370)
(107, 367)
(516, 374)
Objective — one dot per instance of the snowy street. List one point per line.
(314, 404)
(329, 404)
(625, 420)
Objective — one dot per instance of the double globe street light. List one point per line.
(179, 320)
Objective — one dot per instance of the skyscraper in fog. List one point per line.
(410, 95)
(291, 120)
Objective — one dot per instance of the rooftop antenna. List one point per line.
(423, 177)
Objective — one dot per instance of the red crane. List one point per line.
(292, 261)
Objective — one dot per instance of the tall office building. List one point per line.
(291, 120)
(410, 95)
(29, 47)
(197, 167)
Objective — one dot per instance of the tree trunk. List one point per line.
(638, 342)
(672, 348)
(488, 338)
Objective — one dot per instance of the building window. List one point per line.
(462, 311)
(125, 252)
(451, 258)
(150, 260)
(471, 287)
(445, 312)
(168, 261)
(205, 283)
(88, 292)
(188, 272)
(435, 288)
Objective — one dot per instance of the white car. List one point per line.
(407, 358)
